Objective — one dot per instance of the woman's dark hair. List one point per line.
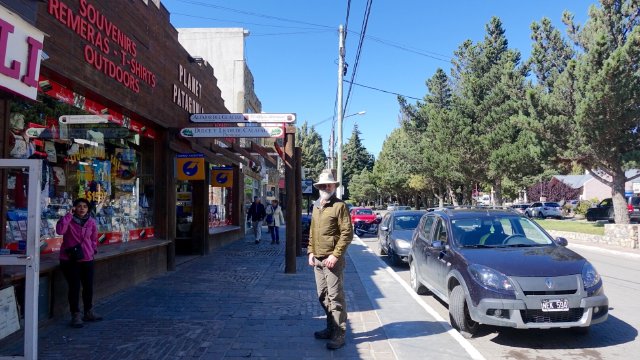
(81, 200)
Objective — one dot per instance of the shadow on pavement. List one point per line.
(610, 333)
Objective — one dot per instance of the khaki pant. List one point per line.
(330, 287)
(257, 230)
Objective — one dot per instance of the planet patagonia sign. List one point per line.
(233, 132)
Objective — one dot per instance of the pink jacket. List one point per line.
(74, 234)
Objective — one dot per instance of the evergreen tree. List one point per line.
(595, 100)
(357, 159)
(362, 188)
(313, 156)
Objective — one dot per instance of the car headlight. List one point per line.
(403, 244)
(590, 276)
(490, 278)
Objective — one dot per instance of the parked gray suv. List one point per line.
(497, 267)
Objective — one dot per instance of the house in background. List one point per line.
(592, 188)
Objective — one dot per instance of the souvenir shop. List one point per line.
(113, 88)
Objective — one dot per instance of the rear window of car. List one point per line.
(364, 212)
(634, 200)
(551, 204)
(406, 222)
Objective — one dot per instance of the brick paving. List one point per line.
(235, 303)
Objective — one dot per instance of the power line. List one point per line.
(251, 13)
(384, 91)
(363, 31)
(399, 46)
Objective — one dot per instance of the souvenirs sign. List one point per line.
(234, 132)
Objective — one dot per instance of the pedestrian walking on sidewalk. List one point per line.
(79, 245)
(256, 214)
(330, 234)
(274, 220)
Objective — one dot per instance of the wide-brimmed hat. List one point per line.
(326, 177)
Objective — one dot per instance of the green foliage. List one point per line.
(313, 155)
(357, 159)
(362, 187)
(583, 206)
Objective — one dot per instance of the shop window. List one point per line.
(110, 164)
(220, 202)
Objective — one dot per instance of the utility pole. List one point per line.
(340, 189)
(331, 164)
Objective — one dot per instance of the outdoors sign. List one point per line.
(234, 132)
(240, 118)
(190, 166)
(307, 186)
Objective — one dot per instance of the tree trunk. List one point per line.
(439, 196)
(621, 214)
(497, 199)
(452, 195)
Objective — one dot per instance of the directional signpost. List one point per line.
(234, 132)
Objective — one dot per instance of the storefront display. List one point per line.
(106, 159)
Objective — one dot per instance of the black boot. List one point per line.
(327, 333)
(337, 341)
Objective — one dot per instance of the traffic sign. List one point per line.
(262, 117)
(234, 132)
(307, 186)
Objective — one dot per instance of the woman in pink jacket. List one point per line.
(80, 243)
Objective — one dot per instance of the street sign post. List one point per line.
(233, 132)
(307, 186)
(241, 118)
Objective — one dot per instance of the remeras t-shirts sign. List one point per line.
(108, 49)
(20, 54)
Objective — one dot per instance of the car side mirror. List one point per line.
(562, 241)
(437, 245)
(384, 228)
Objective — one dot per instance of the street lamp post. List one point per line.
(340, 190)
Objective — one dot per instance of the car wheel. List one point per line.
(527, 214)
(540, 215)
(394, 259)
(359, 232)
(381, 250)
(590, 218)
(415, 283)
(459, 313)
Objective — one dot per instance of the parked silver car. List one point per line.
(395, 232)
(543, 210)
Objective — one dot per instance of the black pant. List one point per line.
(79, 273)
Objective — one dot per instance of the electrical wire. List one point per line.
(243, 22)
(384, 91)
(363, 31)
(251, 13)
(346, 21)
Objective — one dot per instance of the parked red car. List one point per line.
(362, 214)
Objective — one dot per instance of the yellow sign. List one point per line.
(222, 177)
(190, 168)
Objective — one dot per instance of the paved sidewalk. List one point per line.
(237, 303)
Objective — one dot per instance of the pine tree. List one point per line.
(313, 155)
(357, 159)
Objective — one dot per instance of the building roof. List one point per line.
(574, 181)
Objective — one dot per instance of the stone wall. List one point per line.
(626, 236)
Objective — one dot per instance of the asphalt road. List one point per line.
(614, 339)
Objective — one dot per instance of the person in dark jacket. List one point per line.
(79, 245)
(256, 214)
(330, 234)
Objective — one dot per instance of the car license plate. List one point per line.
(555, 305)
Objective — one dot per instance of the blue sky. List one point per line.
(294, 62)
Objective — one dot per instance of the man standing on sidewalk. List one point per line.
(330, 234)
(256, 214)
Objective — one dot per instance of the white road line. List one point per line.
(472, 351)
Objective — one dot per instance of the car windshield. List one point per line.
(551, 204)
(406, 222)
(498, 231)
(364, 212)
